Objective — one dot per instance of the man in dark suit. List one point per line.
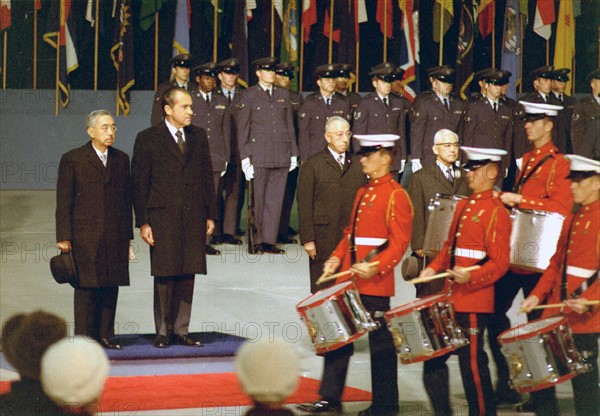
(327, 185)
(94, 219)
(175, 210)
(432, 111)
(268, 150)
(380, 112)
(442, 177)
(585, 127)
(180, 77)
(211, 113)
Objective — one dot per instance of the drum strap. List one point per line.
(373, 252)
(453, 248)
(524, 178)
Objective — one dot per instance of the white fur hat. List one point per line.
(74, 371)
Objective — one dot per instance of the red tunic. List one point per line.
(582, 252)
(483, 231)
(385, 213)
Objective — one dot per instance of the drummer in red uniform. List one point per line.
(479, 235)
(379, 231)
(576, 264)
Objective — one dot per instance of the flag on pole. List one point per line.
(464, 57)
(181, 40)
(122, 55)
(410, 49)
(443, 13)
(564, 50)
(239, 39)
(485, 17)
(309, 17)
(511, 46)
(360, 13)
(385, 8)
(291, 38)
(336, 26)
(544, 17)
(148, 9)
(57, 21)
(347, 23)
(5, 14)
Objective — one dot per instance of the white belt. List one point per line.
(368, 241)
(579, 272)
(470, 253)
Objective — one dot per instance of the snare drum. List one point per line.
(541, 354)
(425, 328)
(534, 238)
(335, 317)
(441, 210)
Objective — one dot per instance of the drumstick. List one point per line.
(440, 275)
(326, 278)
(562, 305)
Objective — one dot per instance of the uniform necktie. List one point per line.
(546, 98)
(495, 106)
(207, 99)
(328, 101)
(560, 96)
(103, 159)
(340, 161)
(446, 104)
(229, 97)
(180, 141)
(268, 91)
(450, 174)
(385, 101)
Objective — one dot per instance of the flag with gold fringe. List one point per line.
(564, 50)
(122, 55)
(443, 13)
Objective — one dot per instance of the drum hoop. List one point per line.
(425, 357)
(553, 323)
(514, 211)
(300, 306)
(421, 302)
(448, 196)
(545, 384)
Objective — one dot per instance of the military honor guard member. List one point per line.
(180, 77)
(432, 111)
(317, 108)
(268, 150)
(585, 124)
(379, 230)
(442, 177)
(560, 77)
(479, 235)
(380, 112)
(94, 220)
(234, 181)
(327, 185)
(572, 279)
(175, 211)
(211, 113)
(342, 85)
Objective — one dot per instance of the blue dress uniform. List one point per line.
(428, 115)
(265, 127)
(479, 234)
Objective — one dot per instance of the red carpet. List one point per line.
(129, 394)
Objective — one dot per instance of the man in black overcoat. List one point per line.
(94, 219)
(175, 210)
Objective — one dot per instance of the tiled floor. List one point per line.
(250, 296)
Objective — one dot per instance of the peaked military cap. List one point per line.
(285, 69)
(561, 74)
(543, 72)
(478, 157)
(595, 74)
(498, 77)
(582, 167)
(536, 111)
(209, 68)
(267, 63)
(443, 73)
(384, 71)
(344, 70)
(326, 71)
(184, 60)
(229, 66)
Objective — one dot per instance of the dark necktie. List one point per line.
(229, 97)
(328, 101)
(207, 99)
(446, 104)
(560, 96)
(495, 104)
(450, 174)
(180, 141)
(268, 91)
(546, 98)
(385, 101)
(341, 161)
(103, 159)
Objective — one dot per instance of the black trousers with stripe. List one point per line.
(474, 370)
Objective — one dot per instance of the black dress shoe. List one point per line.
(507, 396)
(105, 342)
(286, 240)
(271, 248)
(161, 341)
(321, 406)
(186, 341)
(255, 249)
(229, 239)
(211, 251)
(378, 411)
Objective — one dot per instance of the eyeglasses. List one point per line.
(105, 127)
(340, 134)
(449, 146)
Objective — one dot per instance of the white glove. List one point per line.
(519, 163)
(293, 163)
(223, 171)
(402, 164)
(248, 169)
(506, 173)
(416, 165)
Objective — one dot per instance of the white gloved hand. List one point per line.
(416, 165)
(223, 171)
(248, 169)
(519, 163)
(293, 163)
(506, 173)
(402, 164)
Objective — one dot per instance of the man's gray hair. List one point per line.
(92, 118)
(332, 121)
(444, 136)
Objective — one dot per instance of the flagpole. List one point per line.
(357, 64)
(57, 93)
(4, 53)
(272, 28)
(155, 51)
(521, 55)
(331, 11)
(35, 30)
(385, 17)
(547, 52)
(493, 35)
(96, 34)
(441, 58)
(301, 75)
(215, 30)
